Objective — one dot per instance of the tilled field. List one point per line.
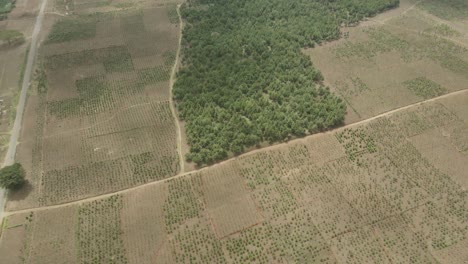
(376, 195)
(99, 116)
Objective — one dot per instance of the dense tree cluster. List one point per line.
(12, 177)
(244, 79)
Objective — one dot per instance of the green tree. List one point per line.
(12, 177)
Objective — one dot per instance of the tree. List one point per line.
(12, 177)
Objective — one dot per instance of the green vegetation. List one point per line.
(448, 9)
(114, 58)
(5, 7)
(23, 68)
(380, 41)
(153, 75)
(356, 143)
(172, 14)
(443, 30)
(425, 88)
(118, 60)
(448, 54)
(124, 5)
(181, 203)
(133, 24)
(245, 80)
(11, 37)
(64, 5)
(92, 92)
(99, 232)
(69, 29)
(12, 177)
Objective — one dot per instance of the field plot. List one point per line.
(143, 224)
(405, 246)
(16, 236)
(100, 111)
(378, 195)
(99, 230)
(54, 236)
(395, 59)
(224, 192)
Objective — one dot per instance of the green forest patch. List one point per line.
(245, 80)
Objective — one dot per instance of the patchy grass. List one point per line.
(447, 9)
(425, 88)
(443, 30)
(172, 14)
(12, 37)
(69, 29)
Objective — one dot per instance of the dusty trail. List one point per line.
(15, 131)
(388, 113)
(172, 103)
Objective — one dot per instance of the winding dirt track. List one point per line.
(388, 113)
(172, 103)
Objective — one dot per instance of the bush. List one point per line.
(12, 177)
(11, 37)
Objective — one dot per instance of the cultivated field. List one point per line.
(368, 193)
(102, 147)
(397, 58)
(99, 115)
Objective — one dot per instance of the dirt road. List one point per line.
(389, 113)
(15, 132)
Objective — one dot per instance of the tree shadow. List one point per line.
(20, 193)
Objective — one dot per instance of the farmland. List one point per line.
(375, 195)
(360, 124)
(99, 116)
(406, 55)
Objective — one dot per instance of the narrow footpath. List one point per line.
(172, 103)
